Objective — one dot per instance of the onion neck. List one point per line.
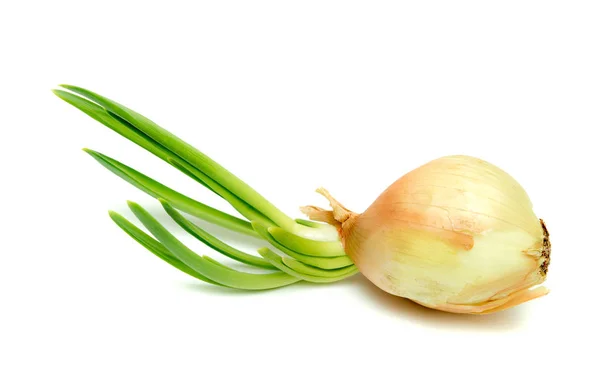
(341, 217)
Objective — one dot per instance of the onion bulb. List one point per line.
(457, 234)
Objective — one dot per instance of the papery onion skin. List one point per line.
(457, 234)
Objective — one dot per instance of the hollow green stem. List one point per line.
(277, 261)
(212, 241)
(178, 200)
(239, 205)
(312, 224)
(165, 145)
(319, 262)
(306, 246)
(128, 131)
(317, 272)
(188, 153)
(215, 262)
(321, 233)
(101, 115)
(155, 247)
(215, 272)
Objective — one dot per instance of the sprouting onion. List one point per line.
(457, 234)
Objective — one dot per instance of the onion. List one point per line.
(457, 234)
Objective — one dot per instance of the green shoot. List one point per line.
(179, 201)
(319, 262)
(306, 246)
(155, 247)
(212, 241)
(211, 270)
(277, 261)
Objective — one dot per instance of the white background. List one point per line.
(290, 96)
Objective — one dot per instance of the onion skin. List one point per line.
(457, 234)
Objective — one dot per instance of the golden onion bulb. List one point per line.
(457, 234)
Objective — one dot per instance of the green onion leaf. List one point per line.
(319, 262)
(178, 200)
(312, 224)
(306, 246)
(278, 261)
(242, 207)
(317, 272)
(155, 247)
(212, 241)
(178, 148)
(216, 272)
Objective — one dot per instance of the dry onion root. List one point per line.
(457, 234)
